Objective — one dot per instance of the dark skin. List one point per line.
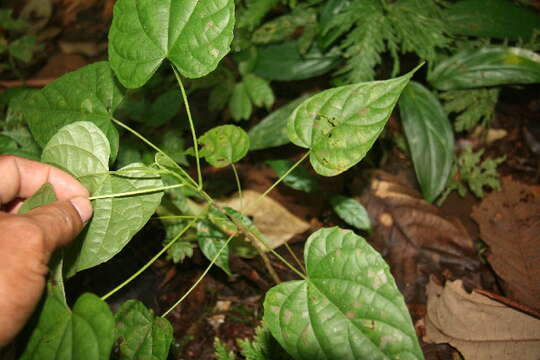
(28, 241)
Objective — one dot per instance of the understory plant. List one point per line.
(346, 304)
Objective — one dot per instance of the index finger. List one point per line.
(21, 178)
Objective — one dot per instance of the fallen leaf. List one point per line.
(480, 328)
(87, 48)
(272, 219)
(509, 223)
(61, 64)
(416, 238)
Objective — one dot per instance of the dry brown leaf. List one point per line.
(480, 328)
(272, 219)
(416, 238)
(509, 223)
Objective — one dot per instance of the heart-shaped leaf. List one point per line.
(82, 149)
(141, 334)
(430, 138)
(340, 125)
(88, 94)
(86, 332)
(349, 307)
(193, 34)
(224, 145)
(351, 211)
(488, 66)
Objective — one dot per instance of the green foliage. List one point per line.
(372, 27)
(224, 145)
(85, 332)
(348, 290)
(141, 335)
(500, 19)
(470, 172)
(430, 138)
(472, 106)
(88, 94)
(272, 130)
(221, 352)
(298, 179)
(45, 195)
(145, 32)
(83, 150)
(488, 66)
(7, 21)
(262, 347)
(259, 91)
(211, 241)
(240, 103)
(340, 125)
(284, 62)
(24, 47)
(351, 211)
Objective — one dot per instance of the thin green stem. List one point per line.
(191, 125)
(277, 182)
(137, 192)
(295, 257)
(238, 185)
(174, 217)
(149, 143)
(214, 259)
(150, 262)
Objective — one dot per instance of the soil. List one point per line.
(231, 307)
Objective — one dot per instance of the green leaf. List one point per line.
(172, 143)
(221, 352)
(272, 130)
(88, 94)
(45, 195)
(284, 27)
(299, 178)
(283, 62)
(262, 347)
(23, 48)
(142, 335)
(348, 308)
(164, 108)
(82, 149)
(340, 125)
(7, 144)
(430, 138)
(488, 66)
(7, 22)
(474, 106)
(86, 332)
(259, 91)
(224, 145)
(211, 240)
(500, 19)
(239, 103)
(193, 34)
(351, 211)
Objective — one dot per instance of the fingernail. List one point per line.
(83, 207)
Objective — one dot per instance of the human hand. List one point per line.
(27, 241)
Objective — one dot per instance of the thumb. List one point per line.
(61, 221)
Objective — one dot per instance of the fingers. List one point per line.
(60, 222)
(22, 178)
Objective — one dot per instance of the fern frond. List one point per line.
(254, 12)
(262, 347)
(221, 352)
(474, 106)
(419, 26)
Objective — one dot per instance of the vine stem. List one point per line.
(147, 142)
(150, 262)
(214, 259)
(238, 185)
(191, 125)
(272, 187)
(138, 192)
